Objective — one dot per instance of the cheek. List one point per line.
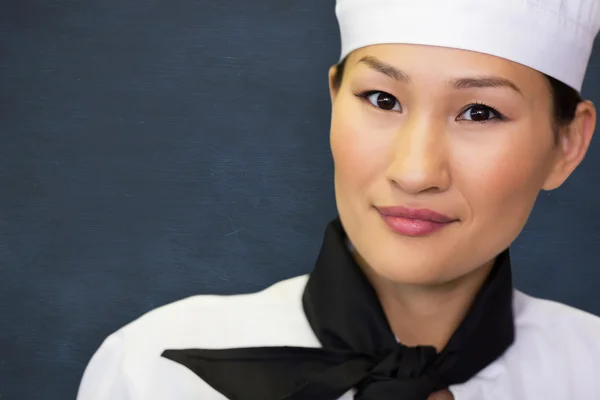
(359, 155)
(501, 180)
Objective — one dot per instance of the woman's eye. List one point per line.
(480, 113)
(384, 100)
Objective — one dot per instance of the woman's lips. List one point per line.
(413, 221)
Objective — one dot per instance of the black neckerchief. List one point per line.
(359, 350)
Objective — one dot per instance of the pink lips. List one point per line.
(414, 222)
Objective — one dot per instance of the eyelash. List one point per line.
(498, 116)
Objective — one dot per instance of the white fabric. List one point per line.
(556, 355)
(554, 37)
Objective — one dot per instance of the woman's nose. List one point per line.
(419, 158)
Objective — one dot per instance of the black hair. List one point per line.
(564, 97)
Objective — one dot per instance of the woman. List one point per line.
(448, 120)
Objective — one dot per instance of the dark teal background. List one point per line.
(152, 150)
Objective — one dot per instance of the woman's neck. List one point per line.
(427, 315)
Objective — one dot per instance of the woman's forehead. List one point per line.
(441, 63)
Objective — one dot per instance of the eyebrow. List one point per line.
(485, 82)
(460, 83)
(385, 69)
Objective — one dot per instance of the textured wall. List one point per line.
(151, 150)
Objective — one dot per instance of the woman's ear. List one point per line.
(333, 85)
(573, 143)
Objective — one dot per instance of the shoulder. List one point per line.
(550, 333)
(557, 347)
(128, 365)
(555, 321)
(555, 355)
(219, 320)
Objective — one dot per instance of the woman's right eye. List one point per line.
(383, 100)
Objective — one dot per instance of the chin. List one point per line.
(418, 261)
(411, 268)
(428, 260)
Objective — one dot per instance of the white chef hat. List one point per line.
(554, 37)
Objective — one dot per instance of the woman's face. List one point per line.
(464, 134)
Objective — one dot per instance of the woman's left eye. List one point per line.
(480, 113)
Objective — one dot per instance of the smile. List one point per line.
(414, 222)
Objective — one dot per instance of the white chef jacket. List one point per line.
(555, 356)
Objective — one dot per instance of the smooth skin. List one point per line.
(465, 134)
